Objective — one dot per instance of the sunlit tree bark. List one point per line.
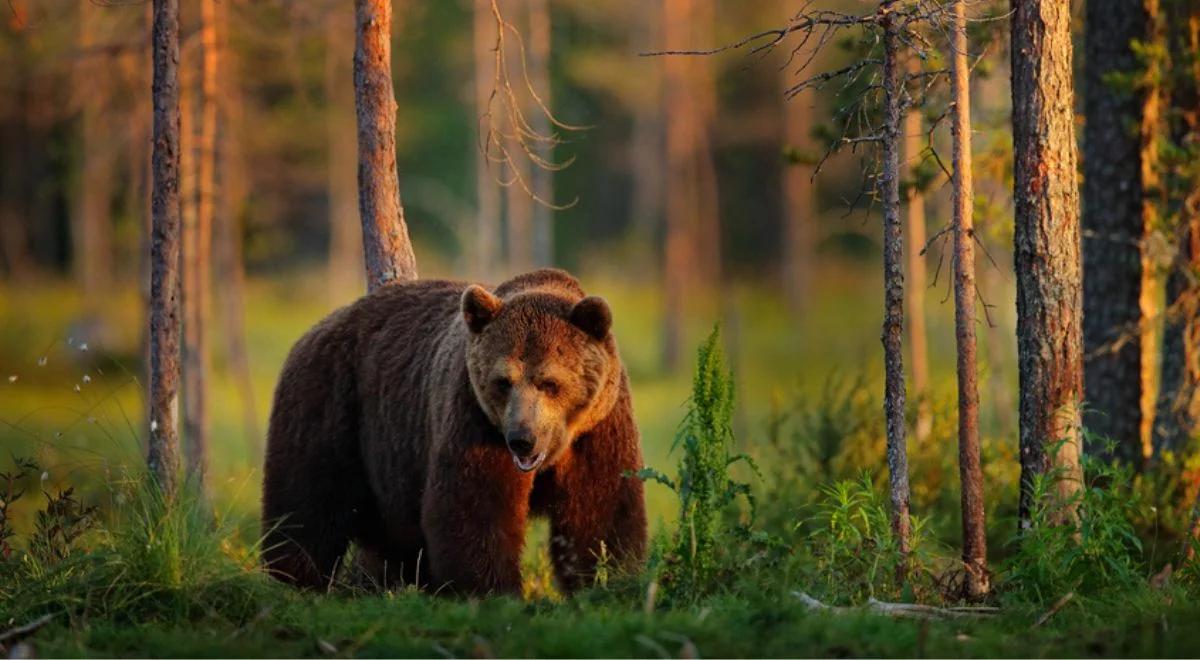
(387, 250)
(1047, 253)
(345, 231)
(918, 340)
(976, 583)
(542, 182)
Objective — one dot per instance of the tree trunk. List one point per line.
(1046, 256)
(487, 218)
(681, 211)
(918, 341)
(163, 458)
(646, 147)
(230, 202)
(345, 231)
(976, 584)
(92, 232)
(518, 202)
(197, 250)
(1113, 229)
(543, 178)
(1178, 417)
(706, 184)
(799, 204)
(387, 251)
(893, 285)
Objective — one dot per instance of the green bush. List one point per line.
(706, 490)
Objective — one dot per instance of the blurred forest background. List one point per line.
(788, 262)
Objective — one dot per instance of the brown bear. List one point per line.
(429, 420)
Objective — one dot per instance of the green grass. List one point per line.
(182, 580)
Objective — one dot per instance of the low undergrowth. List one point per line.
(127, 572)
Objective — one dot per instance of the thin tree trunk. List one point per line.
(1047, 259)
(199, 166)
(681, 212)
(976, 584)
(799, 210)
(543, 178)
(92, 233)
(518, 202)
(487, 217)
(163, 456)
(345, 231)
(646, 146)
(706, 185)
(893, 284)
(231, 269)
(1113, 229)
(918, 340)
(388, 253)
(1178, 416)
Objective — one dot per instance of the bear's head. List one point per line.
(543, 365)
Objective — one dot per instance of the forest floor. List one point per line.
(144, 583)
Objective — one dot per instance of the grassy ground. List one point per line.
(185, 583)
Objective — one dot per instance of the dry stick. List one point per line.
(25, 630)
(900, 610)
(893, 279)
(976, 583)
(388, 253)
(1058, 605)
(163, 458)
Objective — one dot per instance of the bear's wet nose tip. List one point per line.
(519, 443)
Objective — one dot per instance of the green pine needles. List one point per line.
(703, 482)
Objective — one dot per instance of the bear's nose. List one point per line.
(519, 442)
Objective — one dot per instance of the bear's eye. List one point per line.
(503, 385)
(548, 387)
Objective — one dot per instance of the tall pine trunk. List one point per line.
(92, 230)
(681, 210)
(1047, 254)
(976, 583)
(542, 182)
(345, 231)
(487, 191)
(230, 280)
(799, 211)
(387, 251)
(163, 455)
(918, 338)
(1113, 228)
(893, 285)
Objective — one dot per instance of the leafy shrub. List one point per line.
(1099, 554)
(854, 555)
(703, 482)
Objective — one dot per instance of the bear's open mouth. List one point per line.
(529, 463)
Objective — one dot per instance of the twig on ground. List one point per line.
(16, 634)
(1058, 605)
(900, 610)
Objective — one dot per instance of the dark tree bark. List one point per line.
(387, 251)
(1113, 228)
(976, 583)
(893, 284)
(1047, 252)
(163, 457)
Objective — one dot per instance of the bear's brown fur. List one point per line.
(427, 421)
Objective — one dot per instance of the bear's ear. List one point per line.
(479, 307)
(593, 316)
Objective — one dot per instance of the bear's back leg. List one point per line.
(314, 485)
